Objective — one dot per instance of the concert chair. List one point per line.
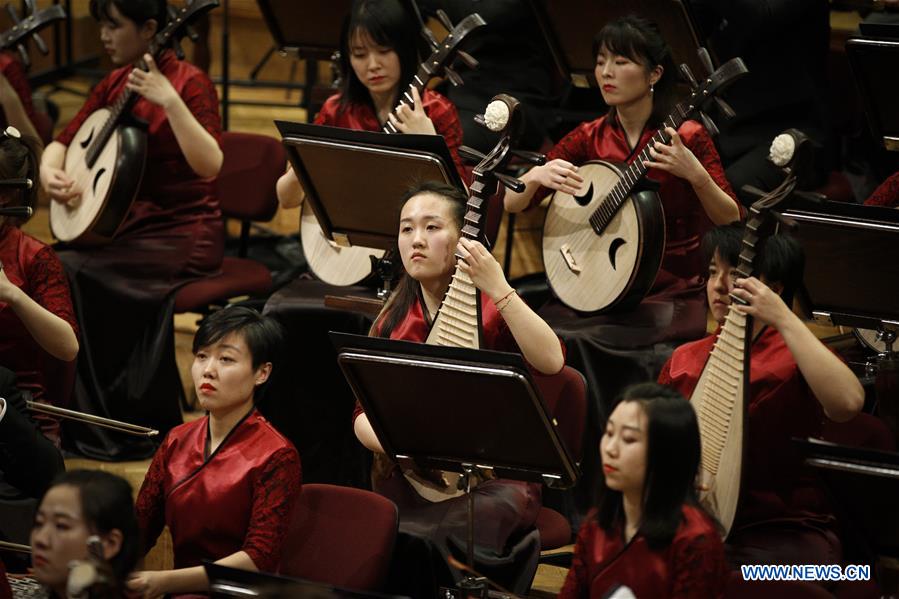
(567, 392)
(340, 536)
(246, 191)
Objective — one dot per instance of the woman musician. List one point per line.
(429, 235)
(173, 233)
(37, 335)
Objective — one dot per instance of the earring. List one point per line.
(652, 88)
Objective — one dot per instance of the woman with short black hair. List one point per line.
(648, 532)
(230, 472)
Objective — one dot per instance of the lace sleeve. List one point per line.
(886, 194)
(665, 375)
(49, 286)
(274, 494)
(150, 505)
(446, 122)
(18, 79)
(202, 100)
(703, 147)
(699, 568)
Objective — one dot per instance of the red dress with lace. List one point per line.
(777, 489)
(33, 267)
(172, 235)
(682, 270)
(886, 194)
(12, 69)
(361, 117)
(693, 565)
(239, 498)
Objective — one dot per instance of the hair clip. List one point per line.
(12, 132)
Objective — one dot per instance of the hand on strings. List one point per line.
(59, 186)
(763, 303)
(559, 175)
(413, 120)
(482, 267)
(152, 84)
(147, 583)
(677, 159)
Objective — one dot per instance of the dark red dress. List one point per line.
(778, 493)
(33, 267)
(693, 565)
(361, 117)
(505, 510)
(14, 72)
(886, 194)
(124, 290)
(239, 498)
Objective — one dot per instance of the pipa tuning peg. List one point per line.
(535, 158)
(470, 61)
(453, 76)
(709, 124)
(706, 59)
(41, 45)
(512, 183)
(444, 20)
(688, 76)
(725, 108)
(470, 154)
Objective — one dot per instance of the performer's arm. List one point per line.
(290, 192)
(835, 387)
(680, 161)
(366, 434)
(58, 185)
(51, 332)
(155, 583)
(538, 343)
(200, 148)
(15, 112)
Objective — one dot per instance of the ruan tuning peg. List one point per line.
(535, 158)
(709, 124)
(453, 76)
(444, 20)
(725, 108)
(706, 59)
(470, 61)
(429, 37)
(688, 75)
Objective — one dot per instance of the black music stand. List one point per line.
(227, 583)
(354, 179)
(851, 263)
(873, 63)
(569, 27)
(456, 409)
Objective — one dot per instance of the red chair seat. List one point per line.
(240, 276)
(555, 530)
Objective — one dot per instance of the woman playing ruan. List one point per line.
(81, 504)
(647, 532)
(379, 59)
(429, 236)
(636, 74)
(223, 484)
(172, 234)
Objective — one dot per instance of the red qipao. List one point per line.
(886, 194)
(14, 72)
(32, 266)
(238, 499)
(693, 565)
(172, 235)
(776, 489)
(361, 117)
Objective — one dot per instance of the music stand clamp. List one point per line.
(438, 407)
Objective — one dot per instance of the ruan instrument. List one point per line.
(335, 262)
(721, 396)
(107, 156)
(124, 427)
(15, 36)
(602, 249)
